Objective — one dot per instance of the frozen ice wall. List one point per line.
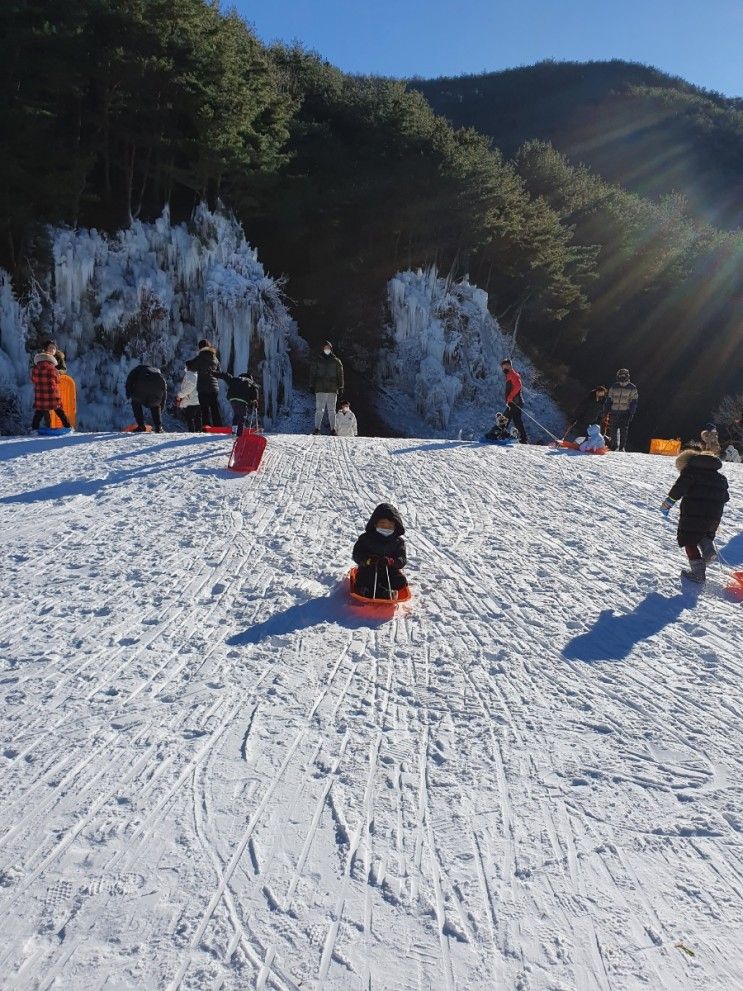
(150, 293)
(440, 365)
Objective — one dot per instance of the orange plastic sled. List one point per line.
(133, 426)
(68, 392)
(667, 447)
(571, 445)
(247, 452)
(209, 429)
(404, 594)
(735, 585)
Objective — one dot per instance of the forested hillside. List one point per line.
(343, 181)
(652, 133)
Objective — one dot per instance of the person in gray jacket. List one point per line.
(620, 406)
(326, 381)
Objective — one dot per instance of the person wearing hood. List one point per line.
(206, 364)
(703, 492)
(345, 421)
(242, 395)
(45, 378)
(188, 398)
(595, 440)
(620, 407)
(146, 386)
(589, 410)
(732, 455)
(326, 381)
(380, 554)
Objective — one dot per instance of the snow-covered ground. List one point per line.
(216, 773)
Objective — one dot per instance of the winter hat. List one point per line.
(327, 344)
(203, 343)
(594, 431)
(710, 426)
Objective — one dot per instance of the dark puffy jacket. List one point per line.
(703, 492)
(240, 388)
(146, 385)
(206, 366)
(590, 409)
(373, 545)
(326, 373)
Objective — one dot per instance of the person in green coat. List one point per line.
(326, 381)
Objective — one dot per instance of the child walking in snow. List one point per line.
(188, 399)
(704, 492)
(380, 554)
(242, 395)
(345, 421)
(45, 377)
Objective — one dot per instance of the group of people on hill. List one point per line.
(327, 382)
(607, 411)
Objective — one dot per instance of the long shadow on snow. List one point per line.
(92, 486)
(183, 440)
(613, 636)
(732, 552)
(334, 608)
(11, 448)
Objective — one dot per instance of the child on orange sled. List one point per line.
(380, 554)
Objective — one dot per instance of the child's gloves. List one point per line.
(667, 505)
(390, 562)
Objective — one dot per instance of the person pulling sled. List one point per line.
(380, 555)
(703, 492)
(514, 399)
(242, 395)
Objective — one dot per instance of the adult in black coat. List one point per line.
(703, 492)
(589, 410)
(146, 386)
(206, 366)
(380, 554)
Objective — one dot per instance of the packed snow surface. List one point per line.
(217, 773)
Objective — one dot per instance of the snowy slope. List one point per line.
(218, 774)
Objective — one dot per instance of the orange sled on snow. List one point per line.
(132, 428)
(571, 445)
(247, 452)
(403, 594)
(68, 392)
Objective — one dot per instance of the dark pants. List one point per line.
(619, 431)
(693, 552)
(365, 580)
(210, 415)
(193, 418)
(43, 414)
(513, 414)
(240, 413)
(138, 410)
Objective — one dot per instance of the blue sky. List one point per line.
(701, 40)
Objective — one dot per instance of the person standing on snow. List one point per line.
(242, 395)
(590, 410)
(206, 364)
(711, 440)
(188, 399)
(345, 421)
(732, 455)
(621, 406)
(514, 398)
(703, 492)
(45, 377)
(146, 386)
(326, 381)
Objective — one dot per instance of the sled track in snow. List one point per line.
(219, 774)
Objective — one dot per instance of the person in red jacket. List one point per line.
(514, 398)
(45, 378)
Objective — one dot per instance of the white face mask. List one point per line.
(326, 350)
(385, 531)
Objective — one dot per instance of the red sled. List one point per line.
(209, 429)
(247, 452)
(735, 585)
